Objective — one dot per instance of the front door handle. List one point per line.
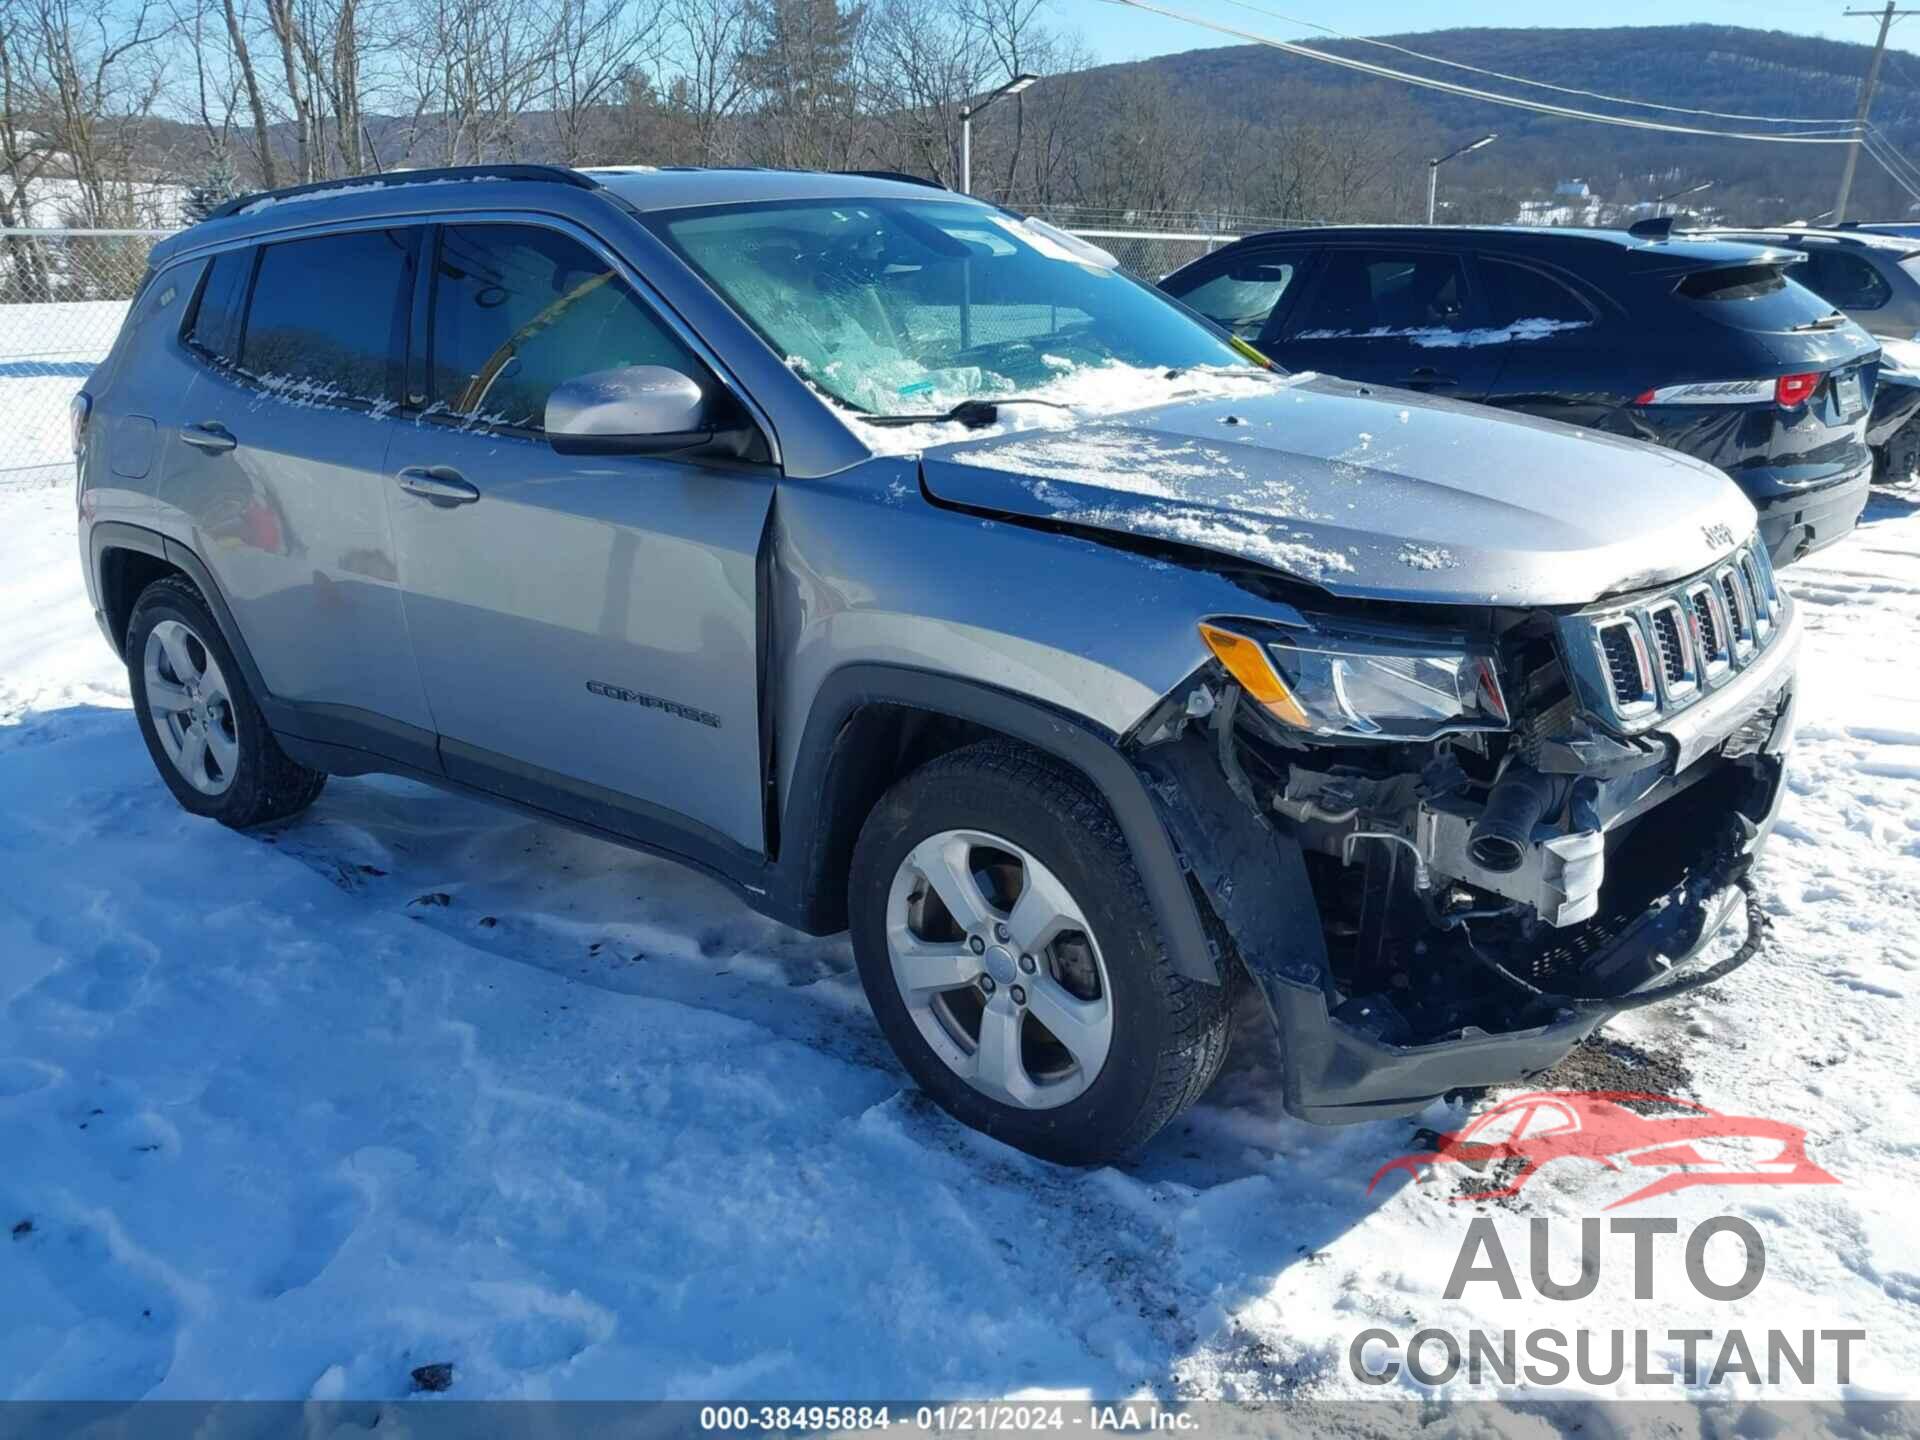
(1427, 378)
(214, 439)
(441, 484)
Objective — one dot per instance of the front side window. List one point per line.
(328, 319)
(517, 309)
(907, 307)
(1240, 299)
(1368, 293)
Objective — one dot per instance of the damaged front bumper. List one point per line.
(1338, 1071)
(1348, 1051)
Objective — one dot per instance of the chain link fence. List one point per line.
(1152, 254)
(63, 293)
(62, 296)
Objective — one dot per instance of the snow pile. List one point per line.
(1428, 557)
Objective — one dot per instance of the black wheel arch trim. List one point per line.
(805, 871)
(119, 535)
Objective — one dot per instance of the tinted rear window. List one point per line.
(1843, 280)
(1752, 297)
(1364, 291)
(1519, 292)
(331, 313)
(216, 319)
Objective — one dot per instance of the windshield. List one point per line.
(903, 307)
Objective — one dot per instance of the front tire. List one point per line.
(202, 727)
(1010, 954)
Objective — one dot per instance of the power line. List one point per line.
(1874, 135)
(1877, 146)
(1887, 17)
(1537, 84)
(1491, 97)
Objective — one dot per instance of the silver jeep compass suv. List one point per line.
(905, 565)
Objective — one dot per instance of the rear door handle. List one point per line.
(214, 439)
(441, 484)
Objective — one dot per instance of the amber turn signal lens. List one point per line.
(1246, 660)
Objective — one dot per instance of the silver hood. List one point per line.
(1371, 493)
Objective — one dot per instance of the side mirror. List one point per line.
(633, 410)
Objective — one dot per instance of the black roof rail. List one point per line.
(899, 175)
(1654, 227)
(548, 174)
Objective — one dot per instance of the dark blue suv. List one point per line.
(1708, 347)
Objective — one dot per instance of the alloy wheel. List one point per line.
(999, 969)
(191, 707)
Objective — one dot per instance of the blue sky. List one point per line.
(1118, 33)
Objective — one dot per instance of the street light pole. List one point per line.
(1433, 168)
(967, 112)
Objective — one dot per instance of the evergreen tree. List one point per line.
(216, 187)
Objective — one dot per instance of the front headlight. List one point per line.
(1362, 688)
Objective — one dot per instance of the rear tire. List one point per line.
(1024, 827)
(202, 727)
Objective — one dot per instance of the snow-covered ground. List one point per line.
(409, 1080)
(46, 352)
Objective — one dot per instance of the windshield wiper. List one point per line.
(974, 414)
(1825, 322)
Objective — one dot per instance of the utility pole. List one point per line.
(1866, 101)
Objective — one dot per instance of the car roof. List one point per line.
(1683, 246)
(637, 188)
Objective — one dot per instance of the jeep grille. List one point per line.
(1637, 661)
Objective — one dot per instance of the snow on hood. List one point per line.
(1075, 394)
(1366, 492)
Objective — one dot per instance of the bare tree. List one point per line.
(921, 61)
(235, 15)
(596, 47)
(701, 78)
(93, 79)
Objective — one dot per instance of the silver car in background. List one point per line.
(904, 565)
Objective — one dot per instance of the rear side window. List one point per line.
(1844, 281)
(1365, 292)
(1240, 299)
(215, 328)
(1519, 292)
(517, 309)
(1752, 297)
(329, 315)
